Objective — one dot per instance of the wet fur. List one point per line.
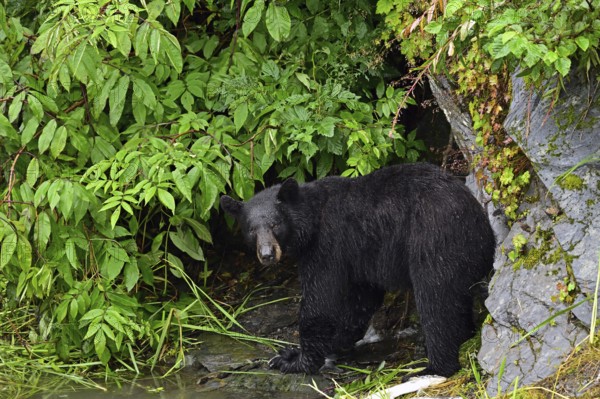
(401, 227)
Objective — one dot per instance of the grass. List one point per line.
(27, 369)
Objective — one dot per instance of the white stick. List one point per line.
(413, 385)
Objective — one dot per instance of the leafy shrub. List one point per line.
(122, 123)
(481, 44)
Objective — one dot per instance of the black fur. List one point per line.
(405, 226)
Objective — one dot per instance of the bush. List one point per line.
(122, 123)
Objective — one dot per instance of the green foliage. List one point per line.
(122, 122)
(480, 44)
(541, 39)
(519, 241)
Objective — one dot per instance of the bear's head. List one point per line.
(265, 220)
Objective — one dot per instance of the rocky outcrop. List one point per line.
(535, 295)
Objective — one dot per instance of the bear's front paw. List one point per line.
(291, 360)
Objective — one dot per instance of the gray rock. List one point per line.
(521, 300)
(460, 122)
(461, 127)
(555, 137)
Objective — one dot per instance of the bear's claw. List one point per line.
(291, 360)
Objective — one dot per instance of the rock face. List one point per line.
(558, 266)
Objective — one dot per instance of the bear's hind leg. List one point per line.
(447, 321)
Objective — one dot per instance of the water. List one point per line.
(180, 386)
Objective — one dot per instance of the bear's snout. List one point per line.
(268, 250)
(267, 255)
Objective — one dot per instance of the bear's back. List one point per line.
(403, 219)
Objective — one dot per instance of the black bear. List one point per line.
(405, 226)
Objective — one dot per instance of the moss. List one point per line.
(532, 199)
(571, 182)
(555, 256)
(542, 252)
(530, 259)
(590, 202)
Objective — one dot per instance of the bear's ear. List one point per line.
(289, 191)
(231, 206)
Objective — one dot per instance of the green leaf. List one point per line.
(183, 184)
(100, 342)
(313, 6)
(114, 218)
(210, 46)
(142, 90)
(35, 106)
(24, 253)
(242, 182)
(173, 10)
(41, 234)
(149, 194)
(59, 141)
(172, 50)
(324, 165)
(64, 77)
(166, 199)
(240, 115)
(116, 99)
(73, 309)
(155, 8)
(506, 36)
(47, 136)
(33, 172)
(327, 126)
(6, 74)
(563, 66)
(113, 267)
(507, 176)
(434, 27)
(93, 328)
(123, 42)
(452, 7)
(304, 79)
(270, 68)
(389, 92)
(90, 315)
(71, 253)
(201, 230)
(6, 128)
(209, 188)
(583, 42)
(29, 130)
(61, 311)
(131, 274)
(83, 62)
(187, 243)
(550, 57)
(54, 193)
(46, 101)
(9, 246)
(108, 331)
(141, 40)
(15, 107)
(278, 22)
(115, 320)
(252, 17)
